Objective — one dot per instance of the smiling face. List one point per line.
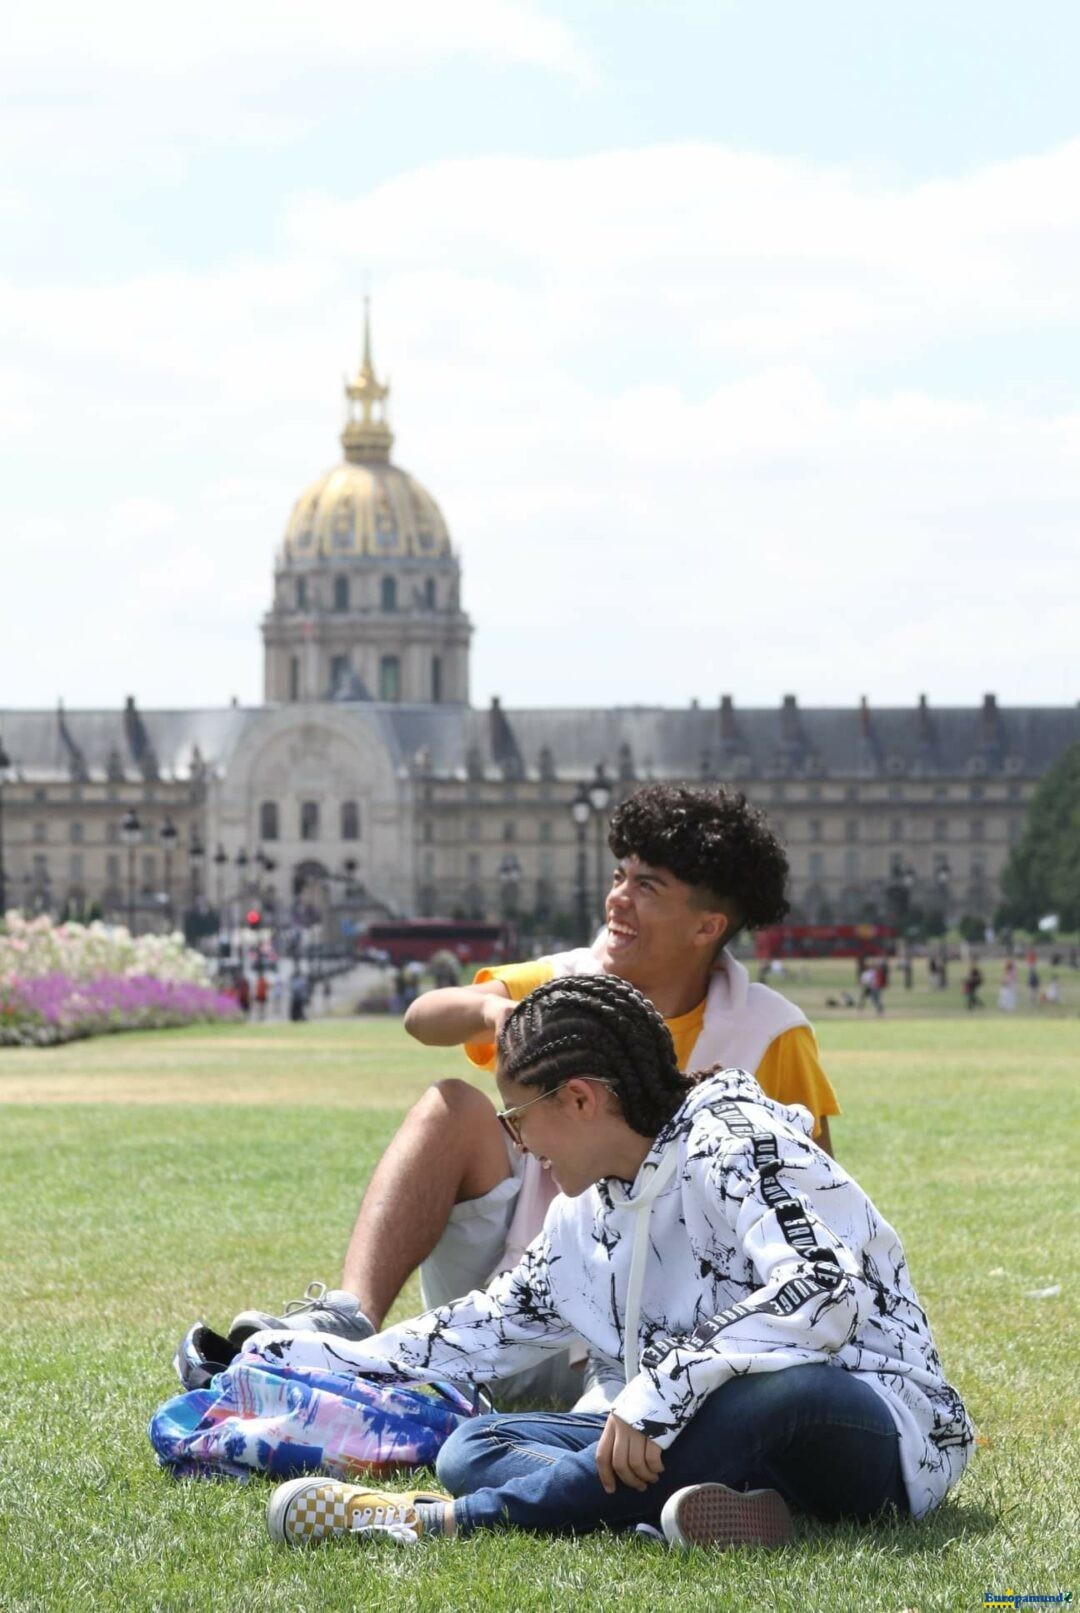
(576, 1131)
(659, 929)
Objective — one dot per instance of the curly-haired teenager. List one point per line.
(692, 868)
(774, 1352)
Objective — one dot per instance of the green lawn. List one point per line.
(145, 1180)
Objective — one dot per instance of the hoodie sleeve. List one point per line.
(811, 1299)
(488, 1334)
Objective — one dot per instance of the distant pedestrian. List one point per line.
(1033, 982)
(298, 996)
(870, 981)
(262, 992)
(243, 992)
(277, 995)
(1007, 992)
(972, 982)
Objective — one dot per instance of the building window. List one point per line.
(350, 820)
(472, 828)
(851, 829)
(149, 871)
(309, 820)
(851, 865)
(429, 593)
(1016, 829)
(268, 820)
(389, 675)
(429, 865)
(817, 865)
(814, 792)
(112, 833)
(112, 869)
(341, 593)
(813, 829)
(474, 865)
(509, 830)
(977, 792)
(436, 679)
(41, 869)
(941, 828)
(41, 833)
(339, 672)
(896, 828)
(978, 829)
(545, 829)
(76, 866)
(41, 795)
(896, 792)
(1013, 792)
(294, 677)
(546, 865)
(428, 831)
(301, 593)
(388, 593)
(941, 792)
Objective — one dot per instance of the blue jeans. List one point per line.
(818, 1434)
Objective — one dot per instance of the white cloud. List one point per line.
(628, 380)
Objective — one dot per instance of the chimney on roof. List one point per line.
(990, 719)
(864, 718)
(727, 718)
(789, 721)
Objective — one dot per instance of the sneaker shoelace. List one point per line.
(391, 1521)
(313, 1298)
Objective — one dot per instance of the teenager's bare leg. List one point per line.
(448, 1149)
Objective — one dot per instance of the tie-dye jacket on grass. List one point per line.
(763, 1253)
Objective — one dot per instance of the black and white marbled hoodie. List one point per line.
(756, 1252)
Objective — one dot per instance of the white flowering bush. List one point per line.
(60, 981)
(30, 948)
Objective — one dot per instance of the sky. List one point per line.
(738, 342)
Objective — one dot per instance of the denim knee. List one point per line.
(457, 1463)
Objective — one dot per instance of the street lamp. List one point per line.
(221, 858)
(600, 799)
(581, 811)
(169, 836)
(509, 881)
(5, 763)
(130, 834)
(196, 858)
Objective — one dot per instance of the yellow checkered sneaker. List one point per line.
(304, 1511)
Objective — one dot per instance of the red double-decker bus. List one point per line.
(823, 940)
(417, 940)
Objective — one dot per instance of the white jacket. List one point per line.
(756, 1252)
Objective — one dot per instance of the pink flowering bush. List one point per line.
(58, 982)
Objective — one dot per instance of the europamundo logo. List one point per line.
(1016, 1599)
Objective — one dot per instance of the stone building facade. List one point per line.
(366, 783)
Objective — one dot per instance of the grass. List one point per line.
(147, 1179)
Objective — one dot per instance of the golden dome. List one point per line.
(366, 506)
(366, 509)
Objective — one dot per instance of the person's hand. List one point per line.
(496, 1010)
(625, 1453)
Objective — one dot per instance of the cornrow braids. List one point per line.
(596, 1025)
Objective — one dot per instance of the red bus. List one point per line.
(417, 940)
(823, 940)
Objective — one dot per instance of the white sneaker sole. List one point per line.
(713, 1515)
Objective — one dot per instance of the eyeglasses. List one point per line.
(508, 1122)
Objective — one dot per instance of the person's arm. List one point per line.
(812, 1299)
(490, 1333)
(453, 1015)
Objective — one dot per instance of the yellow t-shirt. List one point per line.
(790, 1069)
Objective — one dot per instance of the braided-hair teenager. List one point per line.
(774, 1354)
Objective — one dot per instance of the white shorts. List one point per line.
(467, 1256)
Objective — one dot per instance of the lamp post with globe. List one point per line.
(581, 811)
(131, 833)
(599, 792)
(169, 834)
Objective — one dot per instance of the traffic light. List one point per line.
(254, 918)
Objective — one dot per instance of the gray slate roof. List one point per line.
(695, 742)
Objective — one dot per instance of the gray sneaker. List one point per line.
(322, 1310)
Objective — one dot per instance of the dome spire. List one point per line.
(367, 436)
